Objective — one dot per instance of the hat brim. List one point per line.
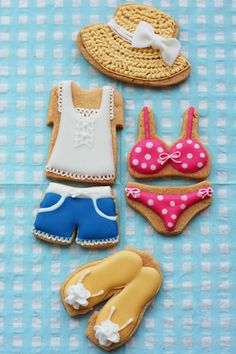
(114, 57)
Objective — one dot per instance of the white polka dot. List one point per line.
(160, 197)
(182, 206)
(143, 165)
(202, 155)
(138, 149)
(199, 194)
(148, 157)
(159, 149)
(150, 202)
(196, 146)
(170, 224)
(184, 165)
(173, 216)
(153, 167)
(135, 162)
(189, 141)
(149, 145)
(172, 203)
(179, 146)
(200, 164)
(189, 156)
(184, 197)
(164, 211)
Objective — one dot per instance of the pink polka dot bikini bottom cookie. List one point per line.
(169, 209)
(151, 157)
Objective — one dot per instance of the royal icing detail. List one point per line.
(83, 148)
(96, 243)
(149, 156)
(78, 295)
(84, 131)
(168, 206)
(107, 332)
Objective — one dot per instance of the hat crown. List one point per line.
(130, 15)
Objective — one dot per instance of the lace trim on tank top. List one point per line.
(80, 177)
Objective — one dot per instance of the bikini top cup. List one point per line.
(151, 157)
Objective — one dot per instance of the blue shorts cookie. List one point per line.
(87, 215)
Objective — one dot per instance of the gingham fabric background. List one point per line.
(195, 310)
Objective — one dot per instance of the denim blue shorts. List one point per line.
(87, 215)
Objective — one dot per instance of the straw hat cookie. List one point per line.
(138, 46)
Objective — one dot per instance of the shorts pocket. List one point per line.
(102, 214)
(51, 202)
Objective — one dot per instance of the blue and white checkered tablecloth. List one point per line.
(195, 311)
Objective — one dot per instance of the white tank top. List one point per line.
(83, 148)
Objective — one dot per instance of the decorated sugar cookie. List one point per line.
(83, 143)
(169, 209)
(138, 45)
(86, 215)
(119, 279)
(151, 157)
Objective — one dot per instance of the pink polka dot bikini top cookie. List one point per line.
(151, 157)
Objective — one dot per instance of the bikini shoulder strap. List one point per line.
(146, 129)
(190, 118)
(146, 122)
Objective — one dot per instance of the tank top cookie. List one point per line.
(83, 148)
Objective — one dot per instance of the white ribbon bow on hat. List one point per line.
(144, 37)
